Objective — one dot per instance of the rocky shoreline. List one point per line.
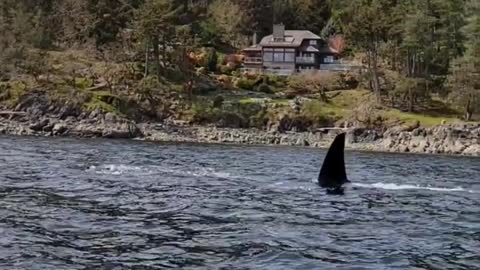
(451, 139)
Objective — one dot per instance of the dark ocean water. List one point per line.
(104, 204)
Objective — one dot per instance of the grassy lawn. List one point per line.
(341, 103)
(425, 120)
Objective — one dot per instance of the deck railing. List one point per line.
(305, 60)
(253, 60)
(280, 72)
(339, 67)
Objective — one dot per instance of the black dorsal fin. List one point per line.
(332, 174)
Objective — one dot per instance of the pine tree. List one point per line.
(155, 26)
(367, 24)
(464, 80)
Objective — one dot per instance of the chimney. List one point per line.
(279, 32)
(255, 41)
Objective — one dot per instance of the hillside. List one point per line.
(178, 61)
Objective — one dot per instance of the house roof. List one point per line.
(311, 49)
(328, 49)
(293, 38)
(253, 48)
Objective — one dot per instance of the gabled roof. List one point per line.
(293, 38)
(311, 49)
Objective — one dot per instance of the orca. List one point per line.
(333, 175)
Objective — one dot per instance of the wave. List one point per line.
(112, 169)
(392, 186)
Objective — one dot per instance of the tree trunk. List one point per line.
(468, 109)
(394, 58)
(164, 56)
(156, 53)
(410, 99)
(375, 78)
(147, 47)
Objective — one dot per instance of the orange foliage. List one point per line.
(337, 42)
(234, 58)
(196, 58)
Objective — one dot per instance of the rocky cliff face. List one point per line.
(458, 138)
(36, 116)
(39, 118)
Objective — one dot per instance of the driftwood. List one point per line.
(97, 87)
(11, 113)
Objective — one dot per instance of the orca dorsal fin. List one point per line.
(332, 174)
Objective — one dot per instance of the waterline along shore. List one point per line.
(451, 139)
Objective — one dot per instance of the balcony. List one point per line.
(253, 60)
(251, 70)
(305, 60)
(339, 67)
(280, 72)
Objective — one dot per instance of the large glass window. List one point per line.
(278, 57)
(289, 57)
(313, 42)
(267, 56)
(328, 59)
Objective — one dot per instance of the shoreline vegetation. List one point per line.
(168, 70)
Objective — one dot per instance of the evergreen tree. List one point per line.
(367, 25)
(464, 79)
(155, 25)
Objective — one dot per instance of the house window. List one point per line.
(313, 42)
(267, 56)
(328, 59)
(289, 57)
(278, 57)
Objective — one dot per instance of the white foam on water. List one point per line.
(211, 172)
(392, 186)
(116, 169)
(120, 169)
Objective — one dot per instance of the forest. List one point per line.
(413, 51)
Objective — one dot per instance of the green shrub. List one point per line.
(103, 101)
(43, 39)
(232, 115)
(211, 60)
(319, 116)
(246, 84)
(83, 83)
(218, 101)
(202, 114)
(264, 88)
(276, 81)
(209, 33)
(13, 93)
(224, 69)
(175, 75)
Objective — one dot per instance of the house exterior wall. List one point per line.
(279, 60)
(286, 59)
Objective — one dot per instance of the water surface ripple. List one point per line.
(99, 204)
